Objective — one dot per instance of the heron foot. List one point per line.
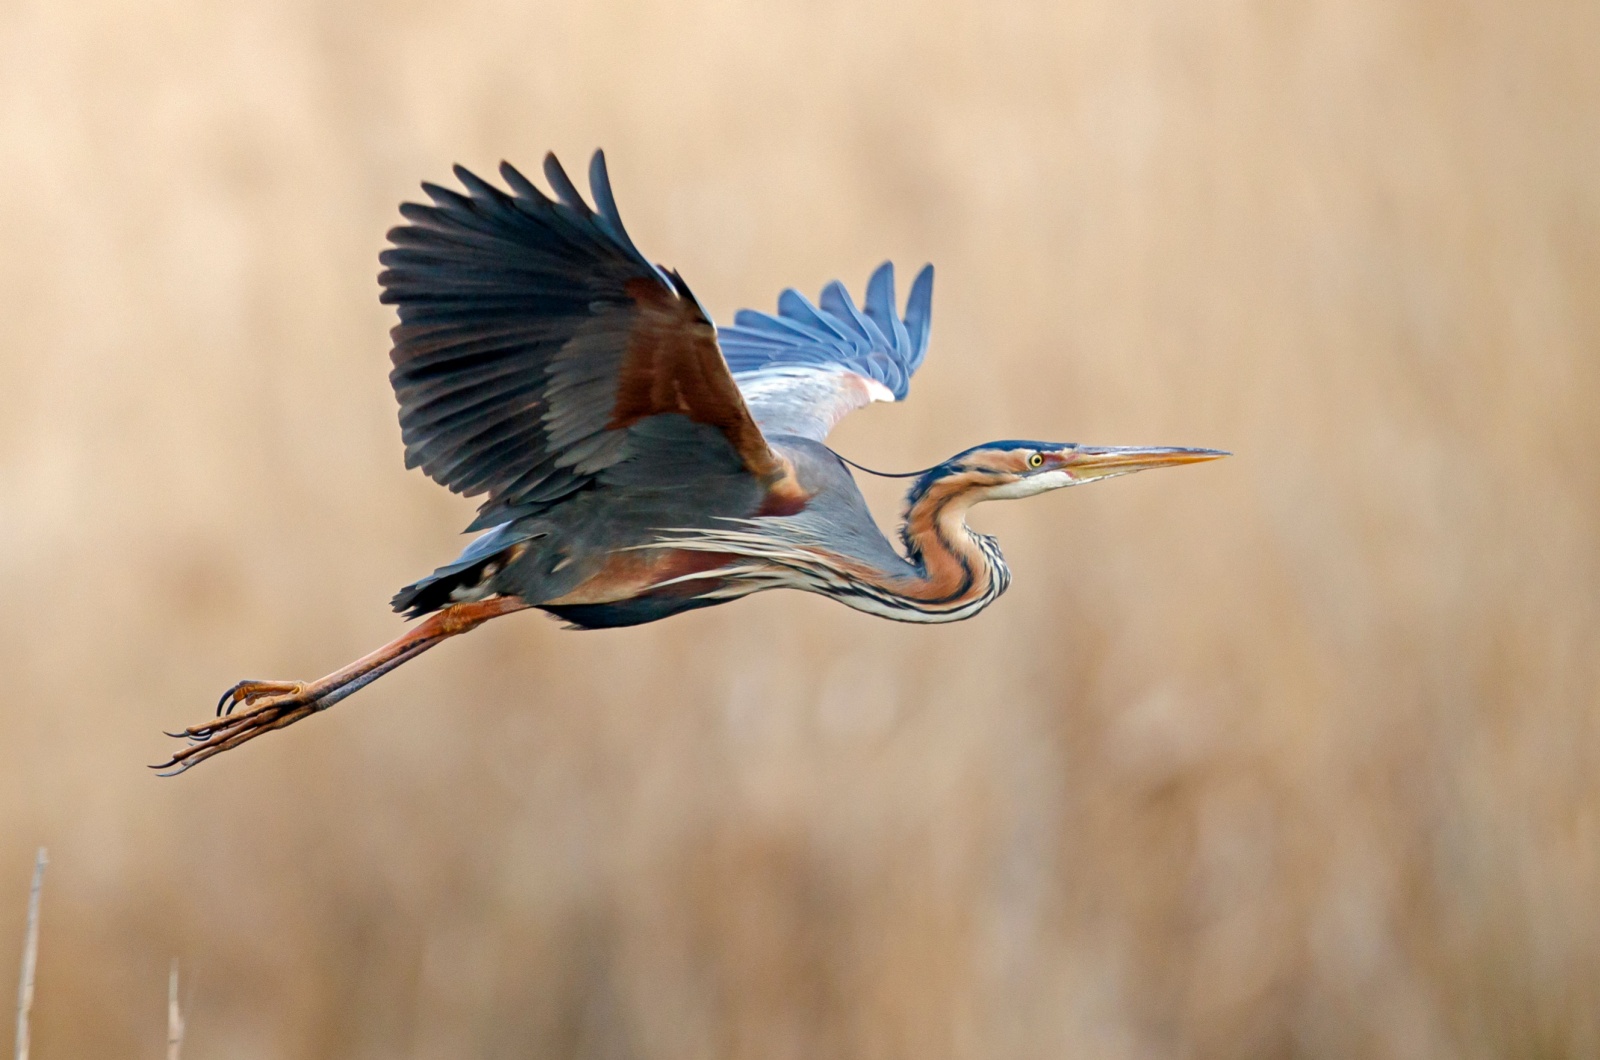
(251, 708)
(244, 712)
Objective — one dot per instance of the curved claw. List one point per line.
(246, 693)
(268, 705)
(223, 705)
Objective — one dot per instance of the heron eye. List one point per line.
(1035, 460)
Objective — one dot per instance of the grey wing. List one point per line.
(535, 343)
(807, 367)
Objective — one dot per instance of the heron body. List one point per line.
(708, 542)
(637, 461)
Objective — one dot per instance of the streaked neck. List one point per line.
(960, 570)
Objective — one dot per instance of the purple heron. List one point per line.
(638, 461)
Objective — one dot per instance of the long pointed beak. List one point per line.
(1087, 463)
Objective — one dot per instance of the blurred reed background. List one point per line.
(1291, 755)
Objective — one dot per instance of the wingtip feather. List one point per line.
(883, 312)
(610, 217)
(880, 287)
(562, 185)
(521, 185)
(919, 313)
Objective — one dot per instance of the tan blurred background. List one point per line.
(1293, 755)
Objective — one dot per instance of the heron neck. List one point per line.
(955, 564)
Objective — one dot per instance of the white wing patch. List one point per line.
(806, 400)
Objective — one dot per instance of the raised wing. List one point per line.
(533, 335)
(805, 369)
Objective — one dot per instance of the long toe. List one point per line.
(247, 693)
(262, 707)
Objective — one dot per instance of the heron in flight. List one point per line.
(638, 461)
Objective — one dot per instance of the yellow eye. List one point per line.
(1036, 460)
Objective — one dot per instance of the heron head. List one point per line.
(998, 471)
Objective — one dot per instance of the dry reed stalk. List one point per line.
(174, 1015)
(30, 956)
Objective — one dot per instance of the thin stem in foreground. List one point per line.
(30, 956)
(174, 1015)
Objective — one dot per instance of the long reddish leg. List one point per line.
(251, 708)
